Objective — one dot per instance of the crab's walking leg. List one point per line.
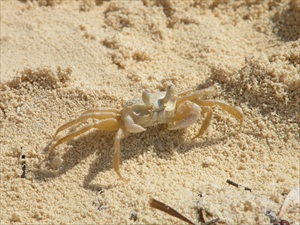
(85, 116)
(101, 110)
(129, 127)
(206, 121)
(116, 160)
(188, 96)
(230, 109)
(110, 124)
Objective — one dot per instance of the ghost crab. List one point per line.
(178, 110)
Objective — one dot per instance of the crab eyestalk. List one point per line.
(147, 99)
(170, 95)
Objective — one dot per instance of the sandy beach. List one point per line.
(62, 57)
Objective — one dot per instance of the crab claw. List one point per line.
(132, 127)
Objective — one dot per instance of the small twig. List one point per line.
(212, 221)
(238, 185)
(167, 209)
(4, 113)
(24, 171)
(202, 218)
(23, 165)
(232, 183)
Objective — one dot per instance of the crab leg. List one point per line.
(185, 92)
(122, 133)
(196, 94)
(206, 121)
(85, 116)
(101, 110)
(109, 124)
(188, 91)
(230, 109)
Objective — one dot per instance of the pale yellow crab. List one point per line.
(178, 110)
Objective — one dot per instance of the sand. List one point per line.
(59, 58)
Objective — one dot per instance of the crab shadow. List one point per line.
(100, 144)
